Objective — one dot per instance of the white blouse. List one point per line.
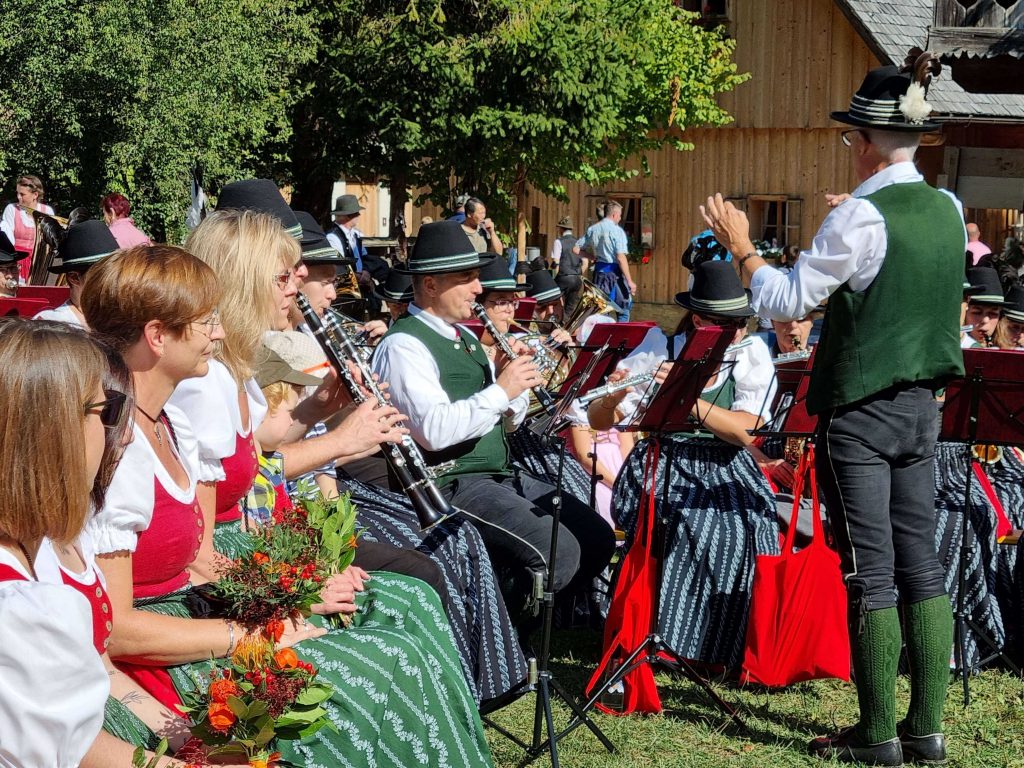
(62, 314)
(128, 508)
(211, 403)
(752, 370)
(54, 684)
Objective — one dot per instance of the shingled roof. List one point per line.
(890, 29)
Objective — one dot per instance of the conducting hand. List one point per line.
(729, 224)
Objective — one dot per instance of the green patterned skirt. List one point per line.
(231, 540)
(400, 695)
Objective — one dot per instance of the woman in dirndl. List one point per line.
(718, 506)
(399, 694)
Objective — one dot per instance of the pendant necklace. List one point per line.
(156, 424)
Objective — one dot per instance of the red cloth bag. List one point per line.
(797, 629)
(632, 608)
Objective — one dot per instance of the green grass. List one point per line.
(691, 733)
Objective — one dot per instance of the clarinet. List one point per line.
(609, 389)
(405, 459)
(544, 397)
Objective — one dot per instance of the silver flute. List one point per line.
(610, 389)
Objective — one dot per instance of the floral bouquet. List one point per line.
(259, 697)
(290, 561)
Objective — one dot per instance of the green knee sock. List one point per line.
(929, 642)
(876, 653)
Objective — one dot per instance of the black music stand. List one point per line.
(986, 407)
(540, 679)
(669, 412)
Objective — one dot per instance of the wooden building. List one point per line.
(782, 153)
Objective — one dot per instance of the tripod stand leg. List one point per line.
(544, 701)
(686, 669)
(582, 716)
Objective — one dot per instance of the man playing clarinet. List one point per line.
(460, 405)
(890, 262)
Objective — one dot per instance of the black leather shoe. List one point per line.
(847, 747)
(924, 750)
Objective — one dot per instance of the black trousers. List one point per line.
(375, 556)
(519, 536)
(571, 286)
(875, 467)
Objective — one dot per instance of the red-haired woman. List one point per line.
(116, 210)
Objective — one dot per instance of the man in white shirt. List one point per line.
(890, 261)
(460, 404)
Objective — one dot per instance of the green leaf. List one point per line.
(314, 694)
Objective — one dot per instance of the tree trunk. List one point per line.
(520, 190)
(398, 227)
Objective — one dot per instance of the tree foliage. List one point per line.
(131, 97)
(492, 95)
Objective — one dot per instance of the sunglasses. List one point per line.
(112, 409)
(727, 322)
(282, 279)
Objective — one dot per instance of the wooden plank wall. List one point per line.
(805, 60)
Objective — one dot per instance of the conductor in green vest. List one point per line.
(889, 259)
(460, 405)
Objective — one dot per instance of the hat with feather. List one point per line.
(894, 98)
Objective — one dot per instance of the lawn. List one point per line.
(691, 733)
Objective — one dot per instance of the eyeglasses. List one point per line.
(847, 136)
(727, 322)
(211, 324)
(282, 279)
(112, 409)
(503, 303)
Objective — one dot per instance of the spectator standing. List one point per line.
(976, 248)
(460, 209)
(348, 241)
(116, 208)
(480, 229)
(607, 242)
(571, 266)
(18, 224)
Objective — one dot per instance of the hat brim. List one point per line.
(547, 297)
(990, 299)
(848, 119)
(78, 265)
(684, 301)
(973, 290)
(505, 285)
(454, 265)
(394, 298)
(347, 211)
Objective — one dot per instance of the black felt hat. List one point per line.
(494, 276)
(84, 244)
(541, 286)
(263, 196)
(442, 246)
(316, 248)
(7, 252)
(889, 100)
(346, 205)
(985, 286)
(1014, 306)
(397, 288)
(716, 291)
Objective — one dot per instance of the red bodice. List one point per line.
(239, 472)
(99, 605)
(168, 546)
(24, 241)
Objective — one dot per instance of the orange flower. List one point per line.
(260, 558)
(274, 630)
(221, 717)
(286, 658)
(221, 689)
(260, 762)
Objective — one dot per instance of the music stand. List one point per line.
(52, 295)
(616, 341)
(541, 680)
(667, 413)
(986, 406)
(21, 307)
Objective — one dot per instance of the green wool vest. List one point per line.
(465, 370)
(905, 326)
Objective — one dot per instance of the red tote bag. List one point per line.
(797, 628)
